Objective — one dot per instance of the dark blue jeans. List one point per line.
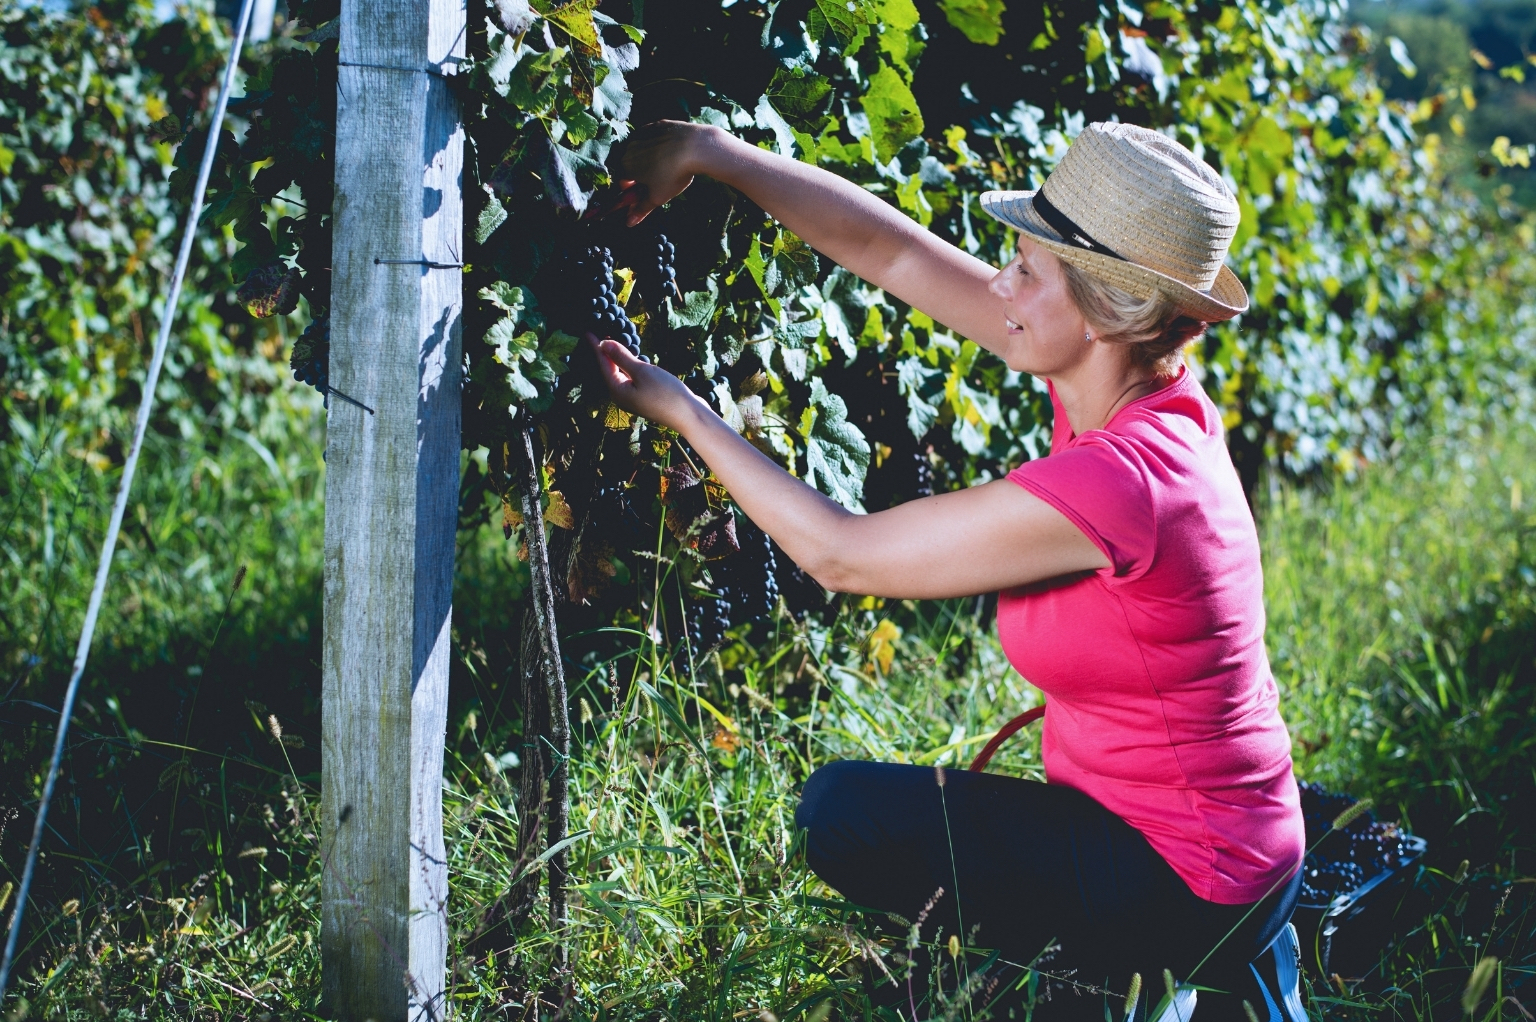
(1024, 865)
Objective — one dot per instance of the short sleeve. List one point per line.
(1102, 488)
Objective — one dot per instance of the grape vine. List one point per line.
(862, 397)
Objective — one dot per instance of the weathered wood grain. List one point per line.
(391, 502)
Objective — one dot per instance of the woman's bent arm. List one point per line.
(979, 540)
(850, 226)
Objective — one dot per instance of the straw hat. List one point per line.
(1137, 210)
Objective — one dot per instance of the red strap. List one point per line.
(1004, 733)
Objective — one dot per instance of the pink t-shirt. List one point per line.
(1160, 701)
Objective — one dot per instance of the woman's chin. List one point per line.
(1027, 362)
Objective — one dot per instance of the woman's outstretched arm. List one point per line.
(964, 543)
(839, 219)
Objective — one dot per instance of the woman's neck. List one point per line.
(1092, 393)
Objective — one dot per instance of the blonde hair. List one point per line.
(1156, 329)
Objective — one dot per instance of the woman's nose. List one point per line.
(998, 285)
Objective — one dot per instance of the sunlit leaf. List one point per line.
(837, 455)
(894, 118)
(980, 20)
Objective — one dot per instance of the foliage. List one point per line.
(1362, 265)
(1382, 658)
(1383, 303)
(693, 901)
(88, 223)
(1469, 66)
(228, 483)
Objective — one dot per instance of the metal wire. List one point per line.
(141, 426)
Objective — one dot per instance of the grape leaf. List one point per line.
(505, 297)
(981, 21)
(611, 99)
(785, 138)
(848, 19)
(511, 346)
(914, 381)
(1267, 151)
(897, 20)
(491, 217)
(575, 18)
(697, 310)
(271, 290)
(531, 85)
(836, 453)
(792, 266)
(513, 16)
(797, 93)
(559, 344)
(591, 569)
(894, 119)
(562, 169)
(844, 308)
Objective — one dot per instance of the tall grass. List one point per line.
(1401, 631)
(1398, 604)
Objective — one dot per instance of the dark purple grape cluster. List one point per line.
(704, 386)
(1326, 879)
(666, 270)
(311, 356)
(605, 316)
(1348, 858)
(747, 578)
(708, 619)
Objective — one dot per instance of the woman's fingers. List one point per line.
(627, 195)
(637, 386)
(652, 162)
(617, 365)
(616, 353)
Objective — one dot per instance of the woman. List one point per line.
(1128, 565)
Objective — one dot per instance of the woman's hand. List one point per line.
(646, 390)
(659, 161)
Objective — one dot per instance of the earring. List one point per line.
(1087, 336)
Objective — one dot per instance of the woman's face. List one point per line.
(1045, 328)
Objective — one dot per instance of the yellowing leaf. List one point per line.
(626, 278)
(511, 517)
(576, 19)
(882, 645)
(559, 512)
(617, 418)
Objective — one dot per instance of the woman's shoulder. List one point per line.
(1177, 424)
(1180, 407)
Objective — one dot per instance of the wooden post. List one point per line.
(392, 455)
